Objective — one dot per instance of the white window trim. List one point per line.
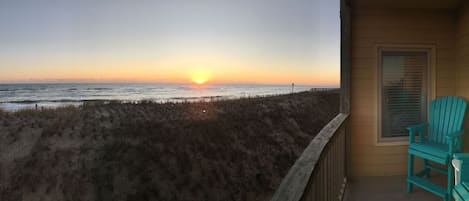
(431, 50)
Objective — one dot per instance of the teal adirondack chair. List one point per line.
(442, 139)
(461, 187)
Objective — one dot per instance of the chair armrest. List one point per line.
(454, 134)
(450, 137)
(461, 156)
(419, 128)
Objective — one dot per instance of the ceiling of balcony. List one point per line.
(409, 4)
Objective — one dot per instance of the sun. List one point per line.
(200, 77)
(199, 81)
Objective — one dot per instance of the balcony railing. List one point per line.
(320, 174)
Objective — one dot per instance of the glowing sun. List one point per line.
(199, 81)
(200, 77)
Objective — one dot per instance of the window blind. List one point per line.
(403, 82)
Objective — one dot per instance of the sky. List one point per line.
(219, 41)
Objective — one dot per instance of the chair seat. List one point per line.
(430, 150)
(461, 191)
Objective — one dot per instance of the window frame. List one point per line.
(430, 50)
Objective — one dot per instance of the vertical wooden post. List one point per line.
(345, 56)
(345, 74)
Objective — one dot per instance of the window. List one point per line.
(404, 91)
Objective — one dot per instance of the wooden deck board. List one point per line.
(388, 188)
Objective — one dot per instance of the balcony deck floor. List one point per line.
(388, 188)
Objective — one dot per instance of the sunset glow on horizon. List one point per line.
(179, 41)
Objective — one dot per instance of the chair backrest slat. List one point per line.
(441, 125)
(449, 106)
(432, 133)
(446, 116)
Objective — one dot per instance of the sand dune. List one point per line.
(223, 150)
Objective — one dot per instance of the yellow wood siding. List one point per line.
(463, 63)
(372, 27)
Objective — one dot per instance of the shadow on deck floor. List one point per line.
(389, 188)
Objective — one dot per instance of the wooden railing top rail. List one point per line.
(295, 182)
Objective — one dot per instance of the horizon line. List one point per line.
(96, 81)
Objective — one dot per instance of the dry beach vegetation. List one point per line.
(208, 151)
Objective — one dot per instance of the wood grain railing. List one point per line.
(320, 174)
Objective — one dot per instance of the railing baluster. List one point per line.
(328, 173)
(330, 189)
(319, 174)
(334, 166)
(323, 178)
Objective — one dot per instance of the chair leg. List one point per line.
(426, 168)
(450, 183)
(410, 172)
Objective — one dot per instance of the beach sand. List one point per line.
(223, 150)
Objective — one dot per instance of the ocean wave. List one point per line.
(183, 88)
(22, 102)
(184, 98)
(24, 89)
(200, 98)
(20, 89)
(44, 101)
(212, 96)
(99, 88)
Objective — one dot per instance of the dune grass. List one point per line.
(234, 149)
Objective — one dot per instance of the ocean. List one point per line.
(20, 96)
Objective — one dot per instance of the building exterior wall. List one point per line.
(371, 27)
(462, 47)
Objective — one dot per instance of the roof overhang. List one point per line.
(409, 4)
